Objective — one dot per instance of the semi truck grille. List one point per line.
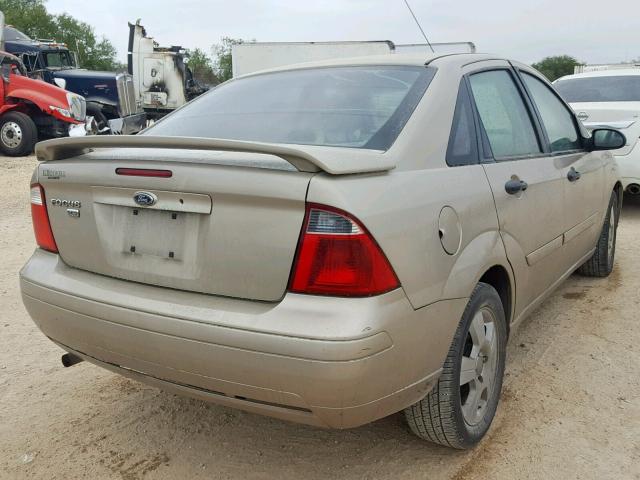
(126, 95)
(78, 107)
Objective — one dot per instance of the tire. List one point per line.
(601, 262)
(18, 134)
(448, 415)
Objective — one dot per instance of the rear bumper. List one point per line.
(323, 361)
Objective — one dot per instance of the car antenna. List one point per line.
(406, 2)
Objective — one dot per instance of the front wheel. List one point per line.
(18, 134)
(601, 262)
(459, 410)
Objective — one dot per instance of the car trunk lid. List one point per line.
(223, 223)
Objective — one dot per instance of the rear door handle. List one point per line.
(514, 186)
(573, 175)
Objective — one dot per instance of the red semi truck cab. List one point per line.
(32, 110)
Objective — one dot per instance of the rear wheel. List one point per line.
(458, 411)
(18, 134)
(601, 263)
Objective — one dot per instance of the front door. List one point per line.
(527, 182)
(583, 171)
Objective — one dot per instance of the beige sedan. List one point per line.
(326, 243)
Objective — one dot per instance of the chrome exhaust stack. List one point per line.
(69, 359)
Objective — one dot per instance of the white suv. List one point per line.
(610, 98)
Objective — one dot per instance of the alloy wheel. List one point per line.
(478, 366)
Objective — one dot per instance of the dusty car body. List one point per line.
(332, 263)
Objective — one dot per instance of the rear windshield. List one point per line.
(600, 89)
(359, 107)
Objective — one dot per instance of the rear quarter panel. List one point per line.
(401, 209)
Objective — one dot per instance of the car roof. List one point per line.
(406, 59)
(620, 72)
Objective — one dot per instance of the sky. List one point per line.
(591, 31)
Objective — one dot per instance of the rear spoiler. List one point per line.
(328, 159)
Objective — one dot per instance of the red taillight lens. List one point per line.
(144, 172)
(40, 218)
(338, 256)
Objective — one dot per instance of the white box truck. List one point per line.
(602, 67)
(254, 56)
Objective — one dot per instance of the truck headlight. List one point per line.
(62, 111)
(77, 106)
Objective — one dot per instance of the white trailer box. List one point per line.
(1, 31)
(254, 56)
(599, 68)
(445, 47)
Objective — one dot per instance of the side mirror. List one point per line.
(60, 82)
(606, 139)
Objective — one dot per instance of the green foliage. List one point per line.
(28, 16)
(32, 18)
(556, 67)
(201, 67)
(94, 54)
(222, 57)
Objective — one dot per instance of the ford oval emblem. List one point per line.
(583, 116)
(145, 199)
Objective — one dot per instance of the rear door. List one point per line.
(527, 183)
(583, 171)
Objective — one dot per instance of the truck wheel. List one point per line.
(18, 134)
(459, 410)
(601, 263)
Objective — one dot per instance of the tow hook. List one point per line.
(69, 359)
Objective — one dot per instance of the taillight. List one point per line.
(40, 218)
(338, 256)
(144, 172)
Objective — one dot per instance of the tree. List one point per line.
(222, 57)
(556, 67)
(94, 54)
(28, 16)
(201, 67)
(32, 18)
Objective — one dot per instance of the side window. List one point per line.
(504, 115)
(558, 121)
(463, 147)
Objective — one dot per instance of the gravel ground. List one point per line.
(570, 406)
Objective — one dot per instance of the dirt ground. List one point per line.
(570, 407)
